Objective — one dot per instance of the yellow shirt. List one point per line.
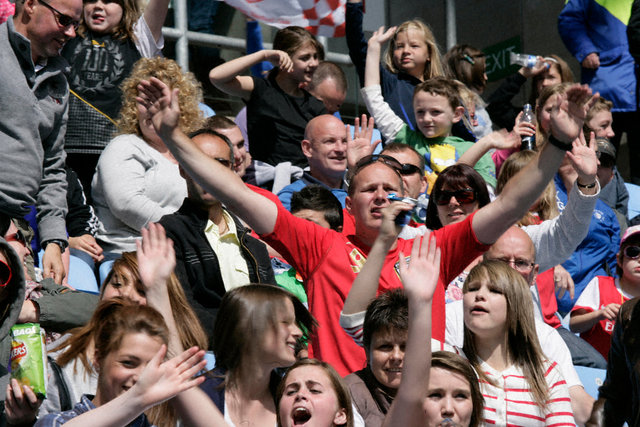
(233, 267)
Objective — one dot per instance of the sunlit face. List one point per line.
(373, 184)
(313, 216)
(454, 211)
(449, 397)
(46, 35)
(279, 344)
(305, 61)
(415, 183)
(215, 148)
(434, 115)
(122, 284)
(310, 400)
(331, 97)
(240, 154)
(411, 53)
(545, 114)
(386, 354)
(120, 369)
(549, 78)
(485, 309)
(601, 123)
(102, 16)
(630, 267)
(326, 148)
(515, 248)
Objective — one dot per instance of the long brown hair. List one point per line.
(547, 207)
(522, 341)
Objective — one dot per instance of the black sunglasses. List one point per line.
(62, 19)
(409, 169)
(465, 195)
(19, 237)
(382, 158)
(5, 274)
(632, 252)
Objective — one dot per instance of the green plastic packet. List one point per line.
(28, 357)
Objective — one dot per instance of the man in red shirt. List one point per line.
(329, 261)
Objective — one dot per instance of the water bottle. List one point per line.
(528, 142)
(522, 59)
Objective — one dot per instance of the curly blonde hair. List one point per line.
(167, 70)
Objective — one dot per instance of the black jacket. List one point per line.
(197, 264)
(502, 112)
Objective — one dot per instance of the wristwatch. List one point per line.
(63, 244)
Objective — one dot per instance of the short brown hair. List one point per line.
(601, 104)
(328, 70)
(292, 38)
(440, 86)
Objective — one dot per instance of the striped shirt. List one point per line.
(512, 404)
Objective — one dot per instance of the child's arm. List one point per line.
(154, 15)
(365, 285)
(227, 78)
(388, 122)
(419, 277)
(500, 140)
(583, 320)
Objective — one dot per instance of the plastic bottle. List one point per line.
(522, 59)
(528, 142)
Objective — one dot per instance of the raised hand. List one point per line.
(161, 381)
(360, 144)
(420, 273)
(156, 257)
(160, 103)
(380, 36)
(280, 59)
(569, 112)
(583, 158)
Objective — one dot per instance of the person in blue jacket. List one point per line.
(596, 35)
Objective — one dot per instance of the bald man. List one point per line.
(325, 147)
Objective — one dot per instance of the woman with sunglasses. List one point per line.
(595, 311)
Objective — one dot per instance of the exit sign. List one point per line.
(497, 58)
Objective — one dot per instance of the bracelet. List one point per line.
(566, 146)
(62, 244)
(592, 185)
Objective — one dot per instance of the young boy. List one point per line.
(436, 104)
(594, 314)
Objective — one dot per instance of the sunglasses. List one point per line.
(466, 195)
(632, 252)
(19, 237)
(225, 162)
(409, 169)
(5, 274)
(382, 158)
(63, 20)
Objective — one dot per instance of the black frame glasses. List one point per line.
(521, 265)
(62, 19)
(464, 195)
(19, 237)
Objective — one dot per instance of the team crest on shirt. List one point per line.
(357, 260)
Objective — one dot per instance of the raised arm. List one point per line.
(155, 14)
(257, 211)
(419, 276)
(227, 78)
(523, 189)
(501, 140)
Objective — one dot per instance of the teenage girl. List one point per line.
(520, 386)
(277, 108)
(412, 57)
(112, 36)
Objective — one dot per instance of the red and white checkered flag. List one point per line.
(320, 17)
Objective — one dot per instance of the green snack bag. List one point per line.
(28, 357)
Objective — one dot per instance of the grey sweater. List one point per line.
(33, 116)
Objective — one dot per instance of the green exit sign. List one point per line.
(497, 58)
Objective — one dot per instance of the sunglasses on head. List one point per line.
(632, 252)
(382, 158)
(5, 274)
(465, 195)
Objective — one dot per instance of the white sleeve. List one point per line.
(590, 296)
(556, 350)
(352, 325)
(454, 324)
(358, 421)
(146, 44)
(386, 120)
(557, 238)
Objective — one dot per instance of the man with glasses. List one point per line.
(33, 114)
(214, 250)
(328, 261)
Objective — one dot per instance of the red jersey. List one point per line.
(329, 262)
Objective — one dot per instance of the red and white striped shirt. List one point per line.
(512, 404)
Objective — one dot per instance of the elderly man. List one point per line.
(33, 113)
